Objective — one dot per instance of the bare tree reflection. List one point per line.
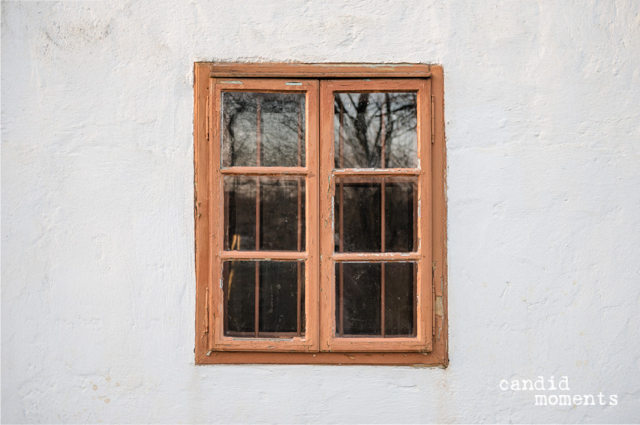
(363, 125)
(282, 125)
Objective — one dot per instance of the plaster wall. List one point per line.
(543, 143)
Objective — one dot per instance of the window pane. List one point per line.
(400, 304)
(280, 309)
(240, 295)
(401, 199)
(368, 124)
(358, 214)
(280, 132)
(279, 295)
(240, 213)
(360, 221)
(359, 298)
(280, 211)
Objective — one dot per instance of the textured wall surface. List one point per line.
(542, 104)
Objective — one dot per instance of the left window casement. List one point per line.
(264, 190)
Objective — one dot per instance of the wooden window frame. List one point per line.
(430, 345)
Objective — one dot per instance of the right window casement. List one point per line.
(319, 240)
(376, 215)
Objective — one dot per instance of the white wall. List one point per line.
(542, 103)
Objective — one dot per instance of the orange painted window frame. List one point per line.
(319, 346)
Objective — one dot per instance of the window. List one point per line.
(320, 214)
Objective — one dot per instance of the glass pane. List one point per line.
(263, 129)
(239, 213)
(400, 279)
(359, 217)
(375, 130)
(401, 208)
(279, 309)
(359, 298)
(280, 211)
(279, 295)
(239, 296)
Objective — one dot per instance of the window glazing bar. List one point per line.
(258, 154)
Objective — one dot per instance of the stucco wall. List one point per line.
(542, 104)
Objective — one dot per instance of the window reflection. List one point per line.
(375, 130)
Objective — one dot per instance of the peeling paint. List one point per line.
(439, 308)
